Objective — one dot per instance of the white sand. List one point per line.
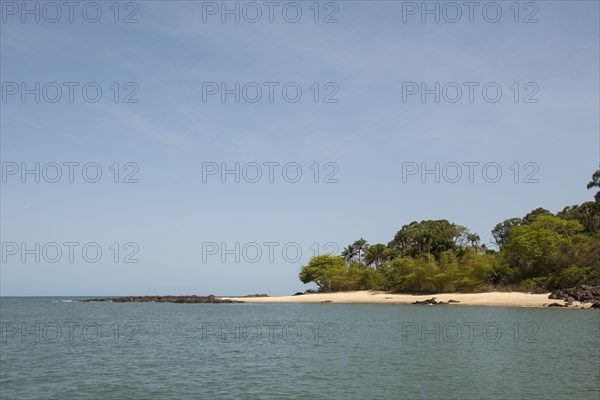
(505, 299)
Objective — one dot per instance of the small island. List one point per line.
(533, 261)
(556, 256)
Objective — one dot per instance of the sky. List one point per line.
(179, 147)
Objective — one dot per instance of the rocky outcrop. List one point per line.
(583, 294)
(309, 291)
(191, 299)
(432, 301)
(256, 295)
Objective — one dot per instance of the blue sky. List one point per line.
(368, 135)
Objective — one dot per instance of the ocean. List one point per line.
(57, 349)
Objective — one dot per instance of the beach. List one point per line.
(500, 299)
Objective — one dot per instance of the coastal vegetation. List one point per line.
(537, 252)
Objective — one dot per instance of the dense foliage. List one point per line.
(540, 251)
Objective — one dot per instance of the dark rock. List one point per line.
(326, 301)
(432, 301)
(256, 295)
(555, 305)
(192, 299)
(595, 306)
(298, 294)
(583, 294)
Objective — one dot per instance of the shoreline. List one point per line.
(491, 299)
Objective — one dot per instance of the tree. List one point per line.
(391, 254)
(327, 271)
(588, 214)
(401, 241)
(474, 240)
(532, 248)
(360, 245)
(399, 273)
(595, 182)
(533, 215)
(349, 253)
(430, 236)
(501, 230)
(375, 254)
(578, 250)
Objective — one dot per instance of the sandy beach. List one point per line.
(503, 299)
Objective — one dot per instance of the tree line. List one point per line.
(540, 251)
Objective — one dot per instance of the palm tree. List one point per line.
(391, 254)
(595, 182)
(401, 241)
(360, 245)
(375, 254)
(349, 253)
(474, 239)
(425, 240)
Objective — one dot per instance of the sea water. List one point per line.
(57, 349)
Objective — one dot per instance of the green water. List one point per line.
(62, 350)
